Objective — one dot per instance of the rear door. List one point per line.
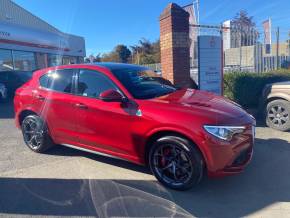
(55, 102)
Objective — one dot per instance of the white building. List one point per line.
(28, 43)
(192, 34)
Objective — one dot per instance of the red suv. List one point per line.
(127, 111)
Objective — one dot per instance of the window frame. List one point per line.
(100, 73)
(12, 59)
(73, 89)
(19, 51)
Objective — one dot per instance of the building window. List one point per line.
(24, 61)
(69, 60)
(80, 60)
(54, 60)
(6, 61)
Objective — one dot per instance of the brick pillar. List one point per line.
(174, 45)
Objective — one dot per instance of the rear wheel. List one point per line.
(35, 134)
(278, 115)
(176, 162)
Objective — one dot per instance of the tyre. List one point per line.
(176, 162)
(278, 115)
(36, 134)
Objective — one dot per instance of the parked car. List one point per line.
(3, 92)
(124, 111)
(14, 79)
(276, 98)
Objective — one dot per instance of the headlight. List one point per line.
(224, 132)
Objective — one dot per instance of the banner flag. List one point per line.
(267, 35)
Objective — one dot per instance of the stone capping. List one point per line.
(173, 8)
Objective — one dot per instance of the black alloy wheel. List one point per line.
(35, 134)
(176, 162)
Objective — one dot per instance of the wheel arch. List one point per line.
(25, 113)
(281, 96)
(166, 132)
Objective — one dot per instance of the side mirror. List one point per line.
(112, 95)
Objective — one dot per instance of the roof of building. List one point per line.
(12, 13)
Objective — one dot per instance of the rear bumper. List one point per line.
(229, 158)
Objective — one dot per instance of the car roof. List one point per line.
(105, 65)
(118, 66)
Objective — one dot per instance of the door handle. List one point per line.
(40, 97)
(81, 106)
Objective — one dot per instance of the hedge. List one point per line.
(246, 88)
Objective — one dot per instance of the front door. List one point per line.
(103, 125)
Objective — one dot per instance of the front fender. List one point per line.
(197, 137)
(279, 95)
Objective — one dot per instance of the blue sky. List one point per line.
(107, 23)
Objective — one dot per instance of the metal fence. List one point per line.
(243, 49)
(155, 67)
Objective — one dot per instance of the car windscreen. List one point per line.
(143, 83)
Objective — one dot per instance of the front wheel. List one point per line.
(35, 134)
(278, 115)
(176, 162)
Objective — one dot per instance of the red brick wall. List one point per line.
(174, 44)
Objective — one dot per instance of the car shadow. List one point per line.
(66, 151)
(264, 183)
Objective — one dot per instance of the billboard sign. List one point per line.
(210, 67)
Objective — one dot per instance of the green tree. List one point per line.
(243, 19)
(245, 28)
(146, 52)
(121, 53)
(110, 57)
(93, 58)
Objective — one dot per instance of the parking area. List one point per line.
(66, 182)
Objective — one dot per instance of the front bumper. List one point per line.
(228, 158)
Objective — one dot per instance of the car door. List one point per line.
(4, 78)
(55, 102)
(105, 125)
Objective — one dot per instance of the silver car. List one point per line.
(3, 92)
(276, 97)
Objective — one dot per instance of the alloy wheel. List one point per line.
(33, 133)
(172, 164)
(278, 115)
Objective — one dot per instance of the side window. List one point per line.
(61, 80)
(92, 83)
(44, 81)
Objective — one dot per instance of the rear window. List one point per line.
(44, 80)
(60, 80)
